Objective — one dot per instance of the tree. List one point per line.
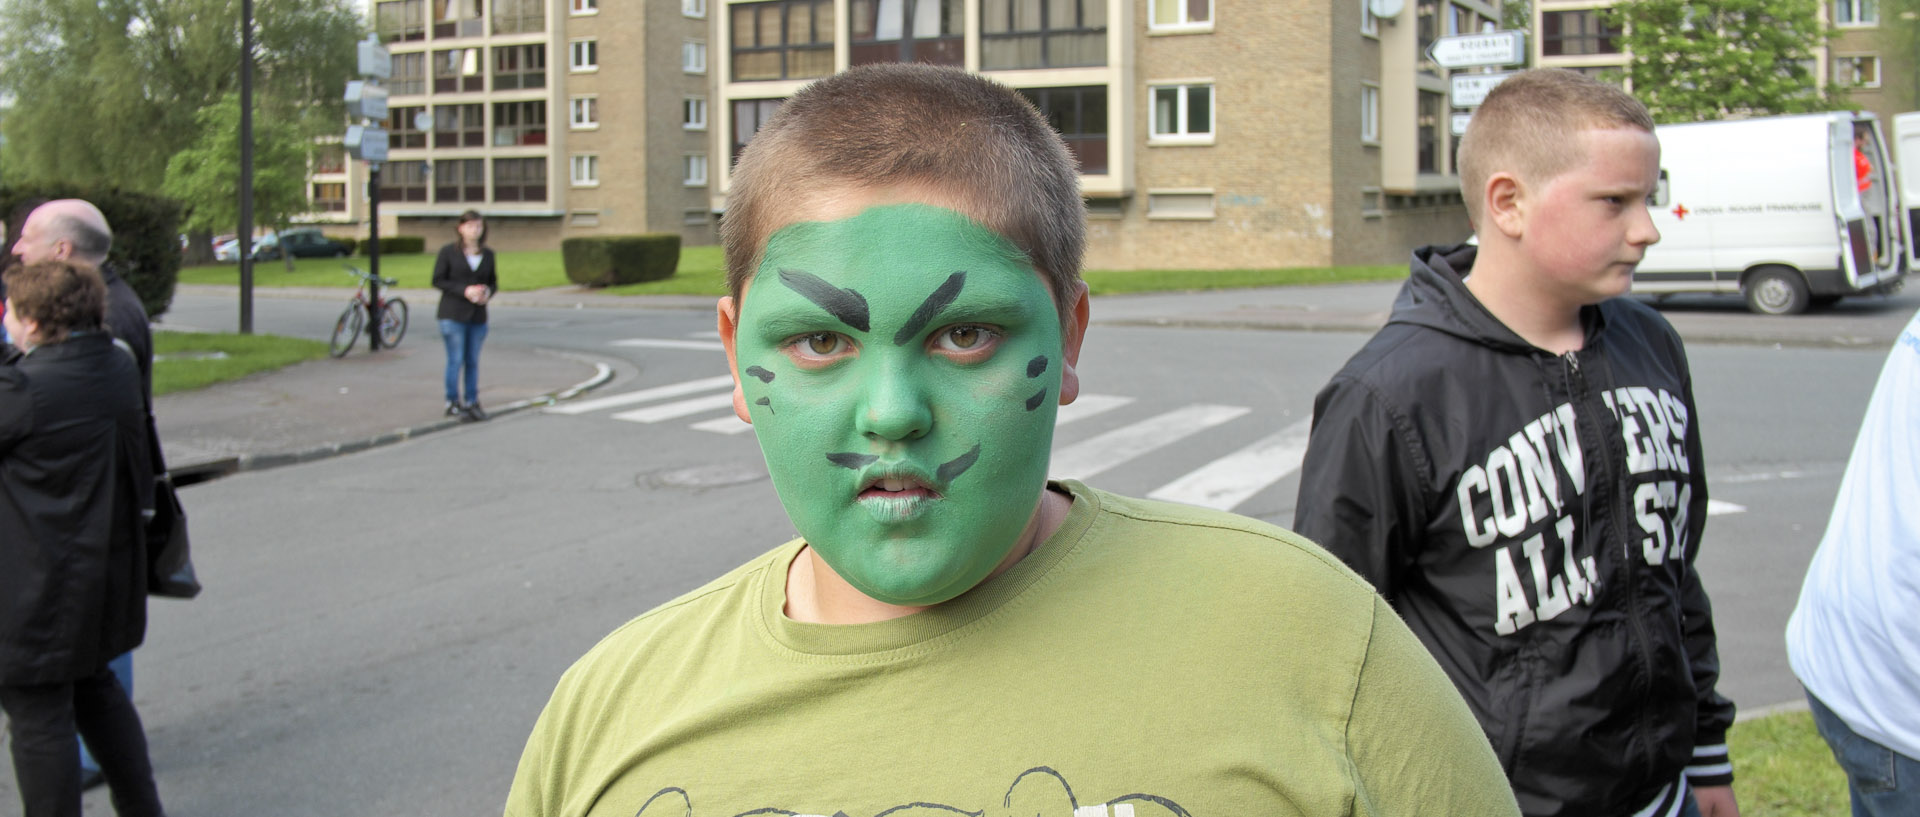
(208, 171)
(1696, 60)
(1900, 51)
(106, 92)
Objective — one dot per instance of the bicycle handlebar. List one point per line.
(365, 276)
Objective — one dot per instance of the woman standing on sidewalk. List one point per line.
(463, 273)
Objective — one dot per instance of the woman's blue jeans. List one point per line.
(463, 355)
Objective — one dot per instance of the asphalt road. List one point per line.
(380, 629)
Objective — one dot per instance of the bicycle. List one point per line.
(393, 317)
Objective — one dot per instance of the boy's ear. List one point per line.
(730, 323)
(1506, 205)
(1071, 334)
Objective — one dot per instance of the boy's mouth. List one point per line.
(901, 486)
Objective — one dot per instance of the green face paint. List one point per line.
(914, 357)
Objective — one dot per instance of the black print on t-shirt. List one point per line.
(1039, 791)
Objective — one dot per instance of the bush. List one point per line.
(146, 235)
(350, 242)
(395, 245)
(602, 261)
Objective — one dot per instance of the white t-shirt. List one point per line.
(1854, 639)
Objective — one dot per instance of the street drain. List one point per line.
(706, 476)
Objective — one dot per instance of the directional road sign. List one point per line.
(1469, 90)
(1460, 121)
(1472, 50)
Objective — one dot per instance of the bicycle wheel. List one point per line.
(346, 330)
(393, 322)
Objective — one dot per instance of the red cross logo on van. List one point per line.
(1680, 212)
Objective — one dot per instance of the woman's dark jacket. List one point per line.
(74, 478)
(452, 275)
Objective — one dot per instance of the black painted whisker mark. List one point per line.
(1035, 401)
(847, 459)
(848, 306)
(958, 465)
(1037, 366)
(764, 375)
(930, 308)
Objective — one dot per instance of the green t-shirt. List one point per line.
(1147, 659)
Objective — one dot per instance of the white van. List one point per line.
(1771, 208)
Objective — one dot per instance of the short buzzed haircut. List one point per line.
(1529, 126)
(942, 129)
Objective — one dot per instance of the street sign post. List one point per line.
(1476, 50)
(1469, 90)
(367, 100)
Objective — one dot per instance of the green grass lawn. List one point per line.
(1781, 768)
(702, 272)
(191, 360)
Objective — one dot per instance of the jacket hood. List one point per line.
(1435, 296)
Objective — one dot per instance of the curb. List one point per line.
(199, 472)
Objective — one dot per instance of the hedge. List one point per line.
(395, 245)
(146, 235)
(350, 242)
(601, 261)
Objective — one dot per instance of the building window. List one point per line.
(403, 181)
(1369, 24)
(1427, 123)
(409, 74)
(520, 179)
(330, 197)
(926, 31)
(586, 170)
(1856, 12)
(583, 112)
(693, 113)
(1180, 204)
(330, 159)
(1183, 113)
(1569, 33)
(1181, 14)
(1080, 115)
(402, 131)
(402, 20)
(460, 180)
(696, 9)
(519, 66)
(586, 7)
(1426, 29)
(457, 18)
(1857, 71)
(748, 116)
(456, 70)
(695, 170)
(519, 16)
(693, 57)
(459, 126)
(1370, 114)
(1459, 21)
(785, 39)
(694, 218)
(519, 123)
(1042, 33)
(583, 55)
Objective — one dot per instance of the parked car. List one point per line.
(227, 249)
(301, 243)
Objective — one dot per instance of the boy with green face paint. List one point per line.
(953, 632)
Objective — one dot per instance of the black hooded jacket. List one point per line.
(1534, 518)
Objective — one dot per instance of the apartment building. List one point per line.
(1876, 72)
(1210, 133)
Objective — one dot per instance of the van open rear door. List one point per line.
(1906, 140)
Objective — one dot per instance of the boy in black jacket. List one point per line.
(1514, 462)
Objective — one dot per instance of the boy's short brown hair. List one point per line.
(1529, 126)
(944, 129)
(61, 297)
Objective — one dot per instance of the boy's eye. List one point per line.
(964, 338)
(818, 347)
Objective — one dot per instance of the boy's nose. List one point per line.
(895, 408)
(1641, 232)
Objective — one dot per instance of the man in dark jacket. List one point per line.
(1514, 461)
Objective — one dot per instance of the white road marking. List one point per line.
(1716, 507)
(1094, 455)
(724, 424)
(664, 343)
(682, 408)
(1087, 406)
(1230, 480)
(646, 395)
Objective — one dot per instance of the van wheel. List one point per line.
(1776, 291)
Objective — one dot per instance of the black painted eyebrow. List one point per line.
(930, 308)
(848, 306)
